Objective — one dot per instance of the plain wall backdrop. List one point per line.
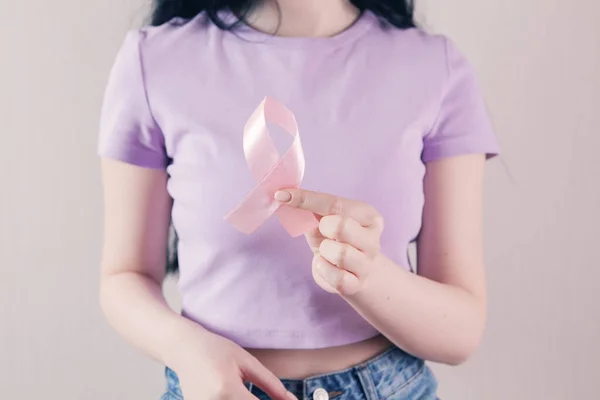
(539, 66)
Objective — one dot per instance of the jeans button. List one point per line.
(320, 394)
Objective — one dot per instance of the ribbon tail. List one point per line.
(256, 208)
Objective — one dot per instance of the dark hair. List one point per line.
(398, 13)
(172, 256)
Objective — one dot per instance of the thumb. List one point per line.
(253, 371)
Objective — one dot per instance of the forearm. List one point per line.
(430, 320)
(136, 308)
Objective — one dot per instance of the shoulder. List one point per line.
(432, 55)
(418, 39)
(169, 39)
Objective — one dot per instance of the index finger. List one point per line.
(259, 375)
(326, 204)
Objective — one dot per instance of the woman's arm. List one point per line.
(438, 315)
(136, 221)
(137, 216)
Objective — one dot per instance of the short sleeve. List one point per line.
(128, 131)
(462, 125)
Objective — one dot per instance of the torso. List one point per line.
(361, 122)
(301, 364)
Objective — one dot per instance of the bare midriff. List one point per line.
(301, 364)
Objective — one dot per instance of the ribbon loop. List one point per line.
(272, 173)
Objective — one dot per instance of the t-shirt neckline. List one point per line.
(365, 21)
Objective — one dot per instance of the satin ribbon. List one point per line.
(272, 172)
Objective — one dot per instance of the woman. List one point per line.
(394, 131)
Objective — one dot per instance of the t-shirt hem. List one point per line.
(302, 342)
(129, 158)
(297, 340)
(489, 154)
(458, 148)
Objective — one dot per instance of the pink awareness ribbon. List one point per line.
(272, 173)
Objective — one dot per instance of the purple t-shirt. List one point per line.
(374, 104)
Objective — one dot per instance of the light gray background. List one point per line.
(539, 65)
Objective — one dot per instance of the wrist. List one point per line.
(180, 333)
(382, 270)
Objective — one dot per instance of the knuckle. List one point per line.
(376, 243)
(250, 359)
(373, 248)
(335, 252)
(378, 220)
(303, 199)
(345, 284)
(343, 254)
(376, 250)
(342, 225)
(371, 256)
(336, 207)
(340, 284)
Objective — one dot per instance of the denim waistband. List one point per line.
(392, 375)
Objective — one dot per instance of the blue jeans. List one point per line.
(392, 375)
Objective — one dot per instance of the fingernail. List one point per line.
(283, 196)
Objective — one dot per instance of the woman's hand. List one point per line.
(346, 242)
(211, 367)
